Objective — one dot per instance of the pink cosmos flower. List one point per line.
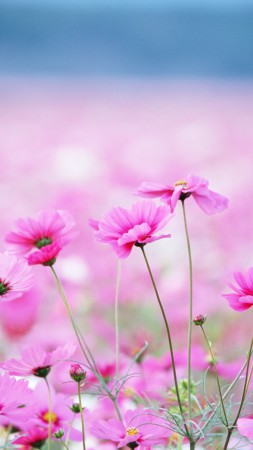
(15, 277)
(242, 298)
(141, 429)
(122, 228)
(52, 229)
(245, 427)
(35, 437)
(61, 415)
(209, 201)
(36, 361)
(15, 396)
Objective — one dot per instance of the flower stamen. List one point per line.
(132, 431)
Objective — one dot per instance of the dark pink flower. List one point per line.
(122, 228)
(34, 437)
(77, 373)
(42, 238)
(15, 277)
(35, 361)
(141, 428)
(209, 201)
(242, 297)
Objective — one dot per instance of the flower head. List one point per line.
(42, 238)
(35, 361)
(242, 297)
(15, 277)
(209, 201)
(141, 428)
(122, 228)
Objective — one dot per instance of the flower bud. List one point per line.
(58, 434)
(75, 408)
(77, 373)
(200, 319)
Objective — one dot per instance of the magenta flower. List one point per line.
(41, 238)
(209, 201)
(15, 277)
(35, 361)
(242, 298)
(122, 228)
(15, 396)
(141, 429)
(35, 437)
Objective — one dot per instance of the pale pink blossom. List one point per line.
(123, 228)
(35, 361)
(15, 277)
(242, 297)
(15, 401)
(245, 426)
(42, 238)
(141, 428)
(209, 201)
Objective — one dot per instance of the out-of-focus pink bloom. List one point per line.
(42, 238)
(18, 317)
(122, 228)
(15, 277)
(34, 437)
(35, 361)
(141, 428)
(209, 201)
(245, 427)
(15, 396)
(242, 298)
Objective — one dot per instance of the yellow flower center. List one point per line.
(181, 183)
(132, 431)
(47, 417)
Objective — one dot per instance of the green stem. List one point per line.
(65, 445)
(49, 414)
(190, 317)
(80, 338)
(81, 413)
(216, 374)
(244, 393)
(169, 338)
(192, 445)
(117, 325)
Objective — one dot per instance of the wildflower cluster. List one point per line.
(144, 402)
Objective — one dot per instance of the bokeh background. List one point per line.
(98, 96)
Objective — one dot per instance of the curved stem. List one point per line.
(117, 325)
(49, 414)
(244, 393)
(169, 338)
(190, 316)
(81, 413)
(216, 374)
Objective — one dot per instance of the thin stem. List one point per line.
(244, 393)
(117, 323)
(192, 445)
(190, 316)
(65, 445)
(81, 339)
(216, 374)
(169, 338)
(116, 406)
(81, 413)
(225, 395)
(49, 414)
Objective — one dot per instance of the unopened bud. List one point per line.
(77, 373)
(75, 408)
(58, 434)
(200, 319)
